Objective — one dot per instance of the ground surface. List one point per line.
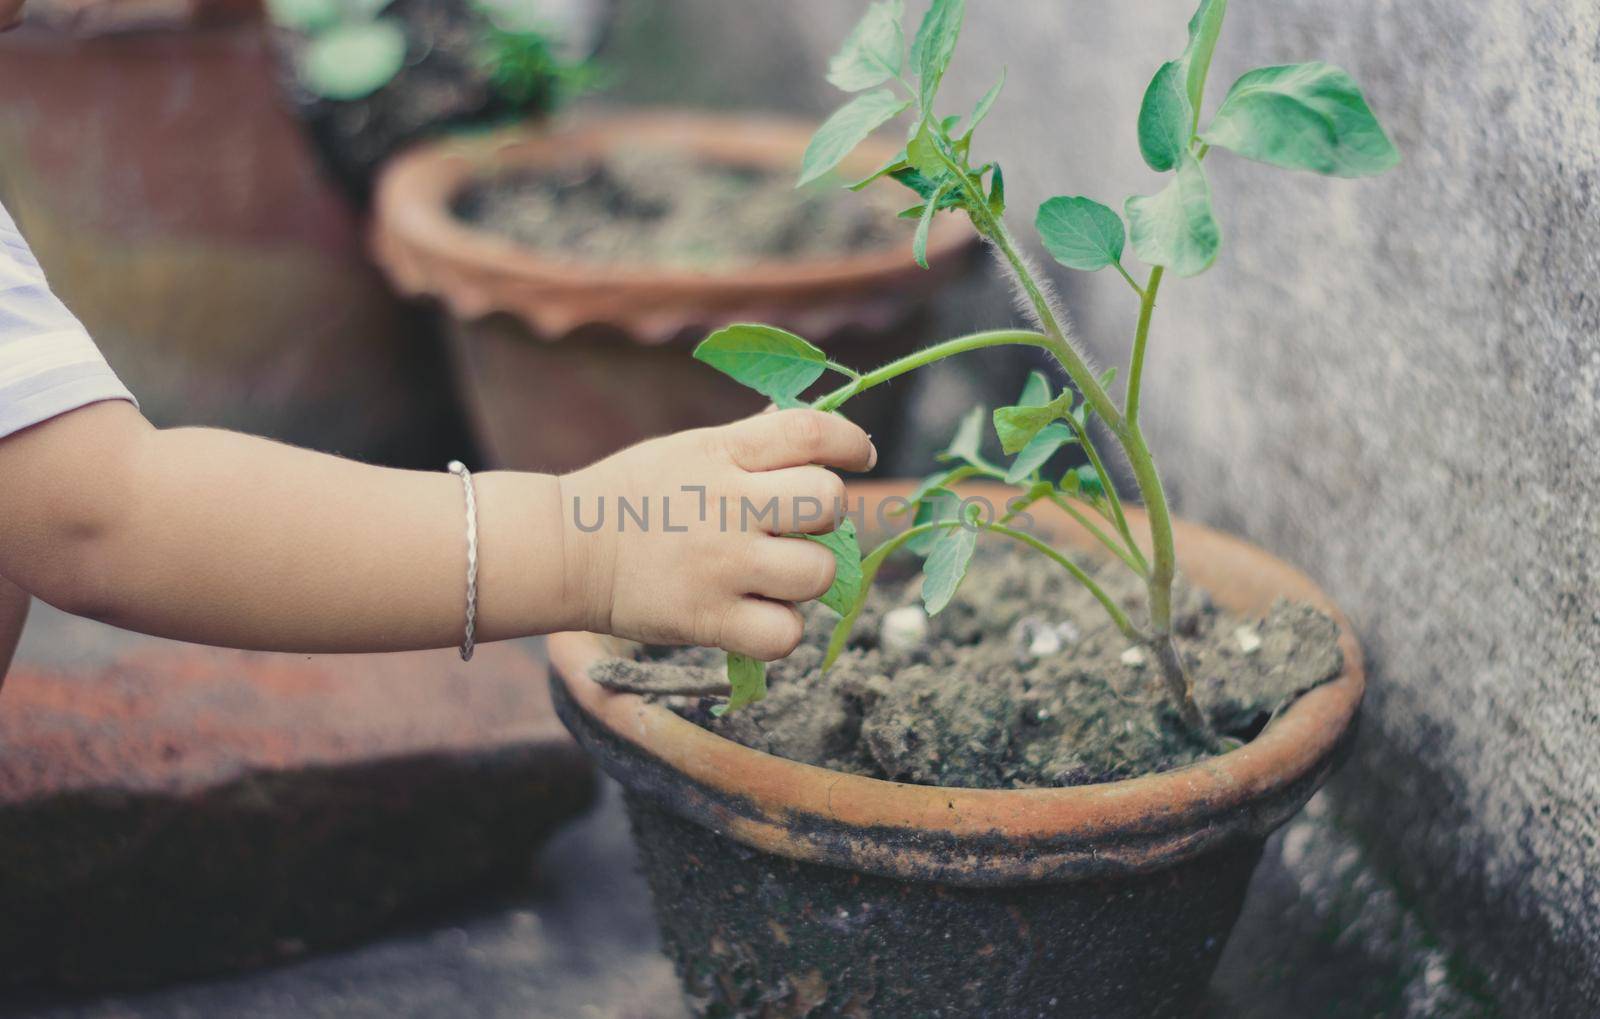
(1323, 935)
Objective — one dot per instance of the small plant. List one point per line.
(1301, 117)
(354, 49)
(522, 58)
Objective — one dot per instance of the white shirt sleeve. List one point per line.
(48, 363)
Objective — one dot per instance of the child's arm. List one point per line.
(13, 613)
(225, 539)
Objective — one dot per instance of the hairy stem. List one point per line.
(927, 356)
(1164, 565)
(1141, 335)
(994, 228)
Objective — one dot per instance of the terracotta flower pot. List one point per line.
(545, 346)
(787, 889)
(180, 213)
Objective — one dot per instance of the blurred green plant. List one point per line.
(1302, 117)
(353, 50)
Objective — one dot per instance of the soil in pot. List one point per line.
(647, 205)
(1021, 682)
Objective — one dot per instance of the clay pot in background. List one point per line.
(565, 362)
(788, 889)
(178, 210)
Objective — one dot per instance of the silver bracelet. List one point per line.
(459, 469)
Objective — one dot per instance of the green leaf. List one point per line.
(1017, 426)
(1166, 120)
(968, 442)
(946, 566)
(922, 152)
(1080, 233)
(354, 60)
(748, 677)
(1204, 28)
(936, 504)
(1084, 480)
(874, 52)
(840, 637)
(985, 104)
(775, 363)
(1039, 449)
(997, 192)
(307, 16)
(1303, 117)
(938, 479)
(899, 162)
(846, 551)
(914, 179)
(919, 243)
(935, 44)
(1175, 227)
(1036, 392)
(1106, 378)
(849, 126)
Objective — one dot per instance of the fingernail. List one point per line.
(872, 461)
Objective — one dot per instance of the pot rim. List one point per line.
(986, 836)
(427, 249)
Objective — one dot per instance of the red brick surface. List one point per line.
(168, 810)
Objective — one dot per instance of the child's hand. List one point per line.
(678, 540)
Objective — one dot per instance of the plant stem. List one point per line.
(1113, 610)
(871, 564)
(1163, 569)
(1147, 307)
(1076, 368)
(1136, 288)
(843, 369)
(927, 356)
(1181, 690)
(1136, 565)
(994, 228)
(1117, 518)
(1164, 566)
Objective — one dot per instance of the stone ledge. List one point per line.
(169, 811)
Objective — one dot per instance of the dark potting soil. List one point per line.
(649, 205)
(1022, 682)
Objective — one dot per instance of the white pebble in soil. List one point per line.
(905, 629)
(1036, 638)
(1133, 657)
(1249, 640)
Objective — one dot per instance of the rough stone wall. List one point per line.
(1394, 383)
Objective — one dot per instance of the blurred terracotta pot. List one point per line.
(564, 362)
(788, 889)
(179, 212)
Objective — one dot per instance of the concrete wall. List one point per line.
(1395, 383)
